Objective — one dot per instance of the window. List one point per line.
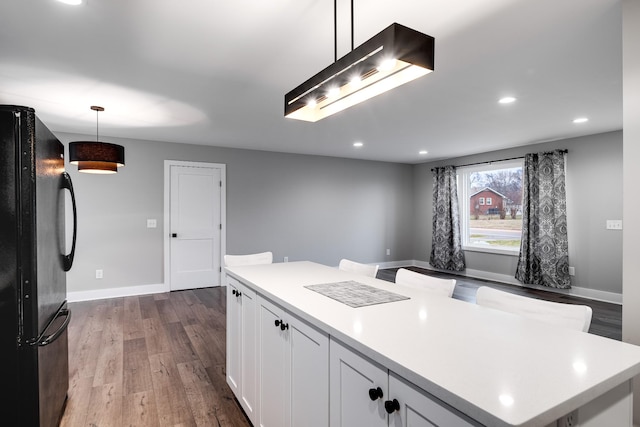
(497, 228)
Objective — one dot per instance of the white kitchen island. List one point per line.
(298, 358)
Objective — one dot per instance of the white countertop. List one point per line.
(470, 357)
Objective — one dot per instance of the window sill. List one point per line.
(497, 251)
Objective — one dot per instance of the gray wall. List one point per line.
(594, 194)
(323, 208)
(303, 207)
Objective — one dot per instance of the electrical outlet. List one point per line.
(572, 271)
(388, 251)
(98, 274)
(286, 259)
(569, 420)
(152, 223)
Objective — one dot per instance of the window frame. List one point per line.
(464, 199)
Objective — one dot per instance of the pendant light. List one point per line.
(95, 156)
(393, 57)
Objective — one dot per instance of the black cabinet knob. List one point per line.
(375, 393)
(391, 406)
(233, 291)
(282, 325)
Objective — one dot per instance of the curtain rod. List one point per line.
(563, 151)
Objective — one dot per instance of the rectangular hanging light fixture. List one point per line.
(391, 58)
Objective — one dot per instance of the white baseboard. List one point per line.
(592, 294)
(396, 264)
(116, 292)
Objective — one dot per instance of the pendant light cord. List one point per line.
(352, 25)
(97, 109)
(335, 29)
(97, 137)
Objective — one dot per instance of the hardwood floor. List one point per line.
(159, 360)
(606, 320)
(152, 360)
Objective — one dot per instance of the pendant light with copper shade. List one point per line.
(95, 156)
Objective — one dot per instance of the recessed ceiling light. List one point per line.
(358, 144)
(580, 120)
(71, 2)
(507, 100)
(422, 152)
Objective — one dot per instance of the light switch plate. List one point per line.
(614, 224)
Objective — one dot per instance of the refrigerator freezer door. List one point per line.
(53, 369)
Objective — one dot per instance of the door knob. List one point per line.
(375, 393)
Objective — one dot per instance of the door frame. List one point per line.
(167, 214)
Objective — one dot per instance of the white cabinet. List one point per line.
(365, 393)
(358, 389)
(242, 345)
(416, 408)
(293, 366)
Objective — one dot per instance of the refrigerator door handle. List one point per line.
(67, 260)
(43, 339)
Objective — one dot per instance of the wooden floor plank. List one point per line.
(156, 336)
(109, 368)
(136, 366)
(140, 410)
(180, 344)
(133, 325)
(105, 406)
(78, 400)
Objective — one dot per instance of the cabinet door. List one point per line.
(233, 337)
(351, 378)
(272, 377)
(241, 345)
(249, 357)
(309, 375)
(418, 409)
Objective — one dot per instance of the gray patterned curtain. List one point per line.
(446, 247)
(544, 248)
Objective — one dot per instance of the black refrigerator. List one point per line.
(33, 264)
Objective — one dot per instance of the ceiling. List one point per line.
(215, 72)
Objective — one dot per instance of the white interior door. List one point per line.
(195, 226)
